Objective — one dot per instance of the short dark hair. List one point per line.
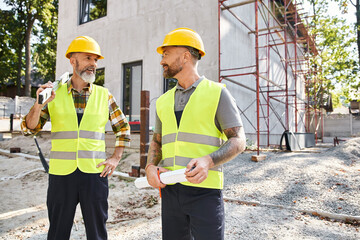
(194, 52)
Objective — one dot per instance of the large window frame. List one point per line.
(87, 13)
(128, 90)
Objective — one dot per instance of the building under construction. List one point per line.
(259, 49)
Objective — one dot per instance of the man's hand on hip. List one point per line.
(110, 165)
(197, 169)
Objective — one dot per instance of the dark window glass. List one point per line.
(92, 9)
(132, 82)
(100, 77)
(169, 83)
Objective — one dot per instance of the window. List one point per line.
(100, 76)
(169, 83)
(92, 9)
(132, 90)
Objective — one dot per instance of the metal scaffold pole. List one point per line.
(257, 76)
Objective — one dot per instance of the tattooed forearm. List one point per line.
(155, 153)
(233, 146)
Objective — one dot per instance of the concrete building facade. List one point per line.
(131, 31)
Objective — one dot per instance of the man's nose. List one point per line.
(94, 62)
(162, 62)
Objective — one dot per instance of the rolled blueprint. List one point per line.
(166, 178)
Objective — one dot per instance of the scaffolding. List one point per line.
(284, 28)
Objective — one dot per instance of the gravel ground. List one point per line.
(327, 180)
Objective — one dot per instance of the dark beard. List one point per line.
(172, 70)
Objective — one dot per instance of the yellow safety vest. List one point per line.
(74, 146)
(197, 135)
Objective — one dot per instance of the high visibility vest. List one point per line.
(197, 135)
(78, 146)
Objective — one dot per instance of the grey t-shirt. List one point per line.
(227, 114)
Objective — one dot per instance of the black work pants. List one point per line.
(192, 213)
(65, 192)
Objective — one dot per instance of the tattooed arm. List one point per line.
(155, 153)
(235, 144)
(154, 157)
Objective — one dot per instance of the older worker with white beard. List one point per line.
(78, 166)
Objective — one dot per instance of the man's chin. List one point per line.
(88, 78)
(166, 75)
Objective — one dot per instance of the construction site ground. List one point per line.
(310, 194)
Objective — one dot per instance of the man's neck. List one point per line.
(78, 83)
(185, 80)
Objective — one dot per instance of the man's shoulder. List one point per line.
(212, 84)
(100, 88)
(166, 94)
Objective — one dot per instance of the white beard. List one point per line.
(89, 78)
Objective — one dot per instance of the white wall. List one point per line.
(341, 125)
(132, 30)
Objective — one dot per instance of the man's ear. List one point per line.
(187, 56)
(73, 61)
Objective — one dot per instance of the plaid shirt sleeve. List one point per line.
(119, 124)
(44, 116)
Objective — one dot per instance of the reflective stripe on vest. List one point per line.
(92, 135)
(197, 134)
(81, 154)
(78, 146)
(64, 135)
(63, 155)
(91, 154)
(192, 137)
(82, 134)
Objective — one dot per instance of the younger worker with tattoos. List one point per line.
(198, 127)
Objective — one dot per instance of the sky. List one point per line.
(334, 11)
(2, 5)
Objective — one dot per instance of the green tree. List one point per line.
(336, 66)
(7, 57)
(44, 54)
(357, 24)
(11, 45)
(32, 10)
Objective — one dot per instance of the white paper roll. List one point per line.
(173, 176)
(141, 183)
(166, 178)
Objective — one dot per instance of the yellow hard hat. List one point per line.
(183, 37)
(84, 44)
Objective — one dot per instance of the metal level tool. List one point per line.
(46, 94)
